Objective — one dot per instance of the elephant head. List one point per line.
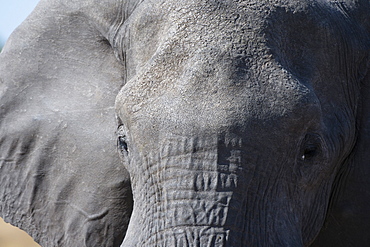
(238, 123)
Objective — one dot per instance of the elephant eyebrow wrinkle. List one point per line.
(90, 217)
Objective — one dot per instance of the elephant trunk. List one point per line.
(205, 197)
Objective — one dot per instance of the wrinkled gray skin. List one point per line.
(239, 123)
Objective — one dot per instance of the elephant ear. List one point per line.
(61, 179)
(348, 218)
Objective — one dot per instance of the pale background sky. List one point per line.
(12, 13)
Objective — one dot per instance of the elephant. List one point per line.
(188, 123)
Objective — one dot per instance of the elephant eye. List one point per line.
(122, 144)
(311, 147)
(122, 140)
(309, 152)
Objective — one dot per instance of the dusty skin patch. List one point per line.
(11, 236)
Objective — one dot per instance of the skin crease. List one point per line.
(238, 123)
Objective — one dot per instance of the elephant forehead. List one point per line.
(180, 27)
(210, 70)
(212, 92)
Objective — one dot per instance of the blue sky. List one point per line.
(12, 13)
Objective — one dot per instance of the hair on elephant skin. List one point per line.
(188, 123)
